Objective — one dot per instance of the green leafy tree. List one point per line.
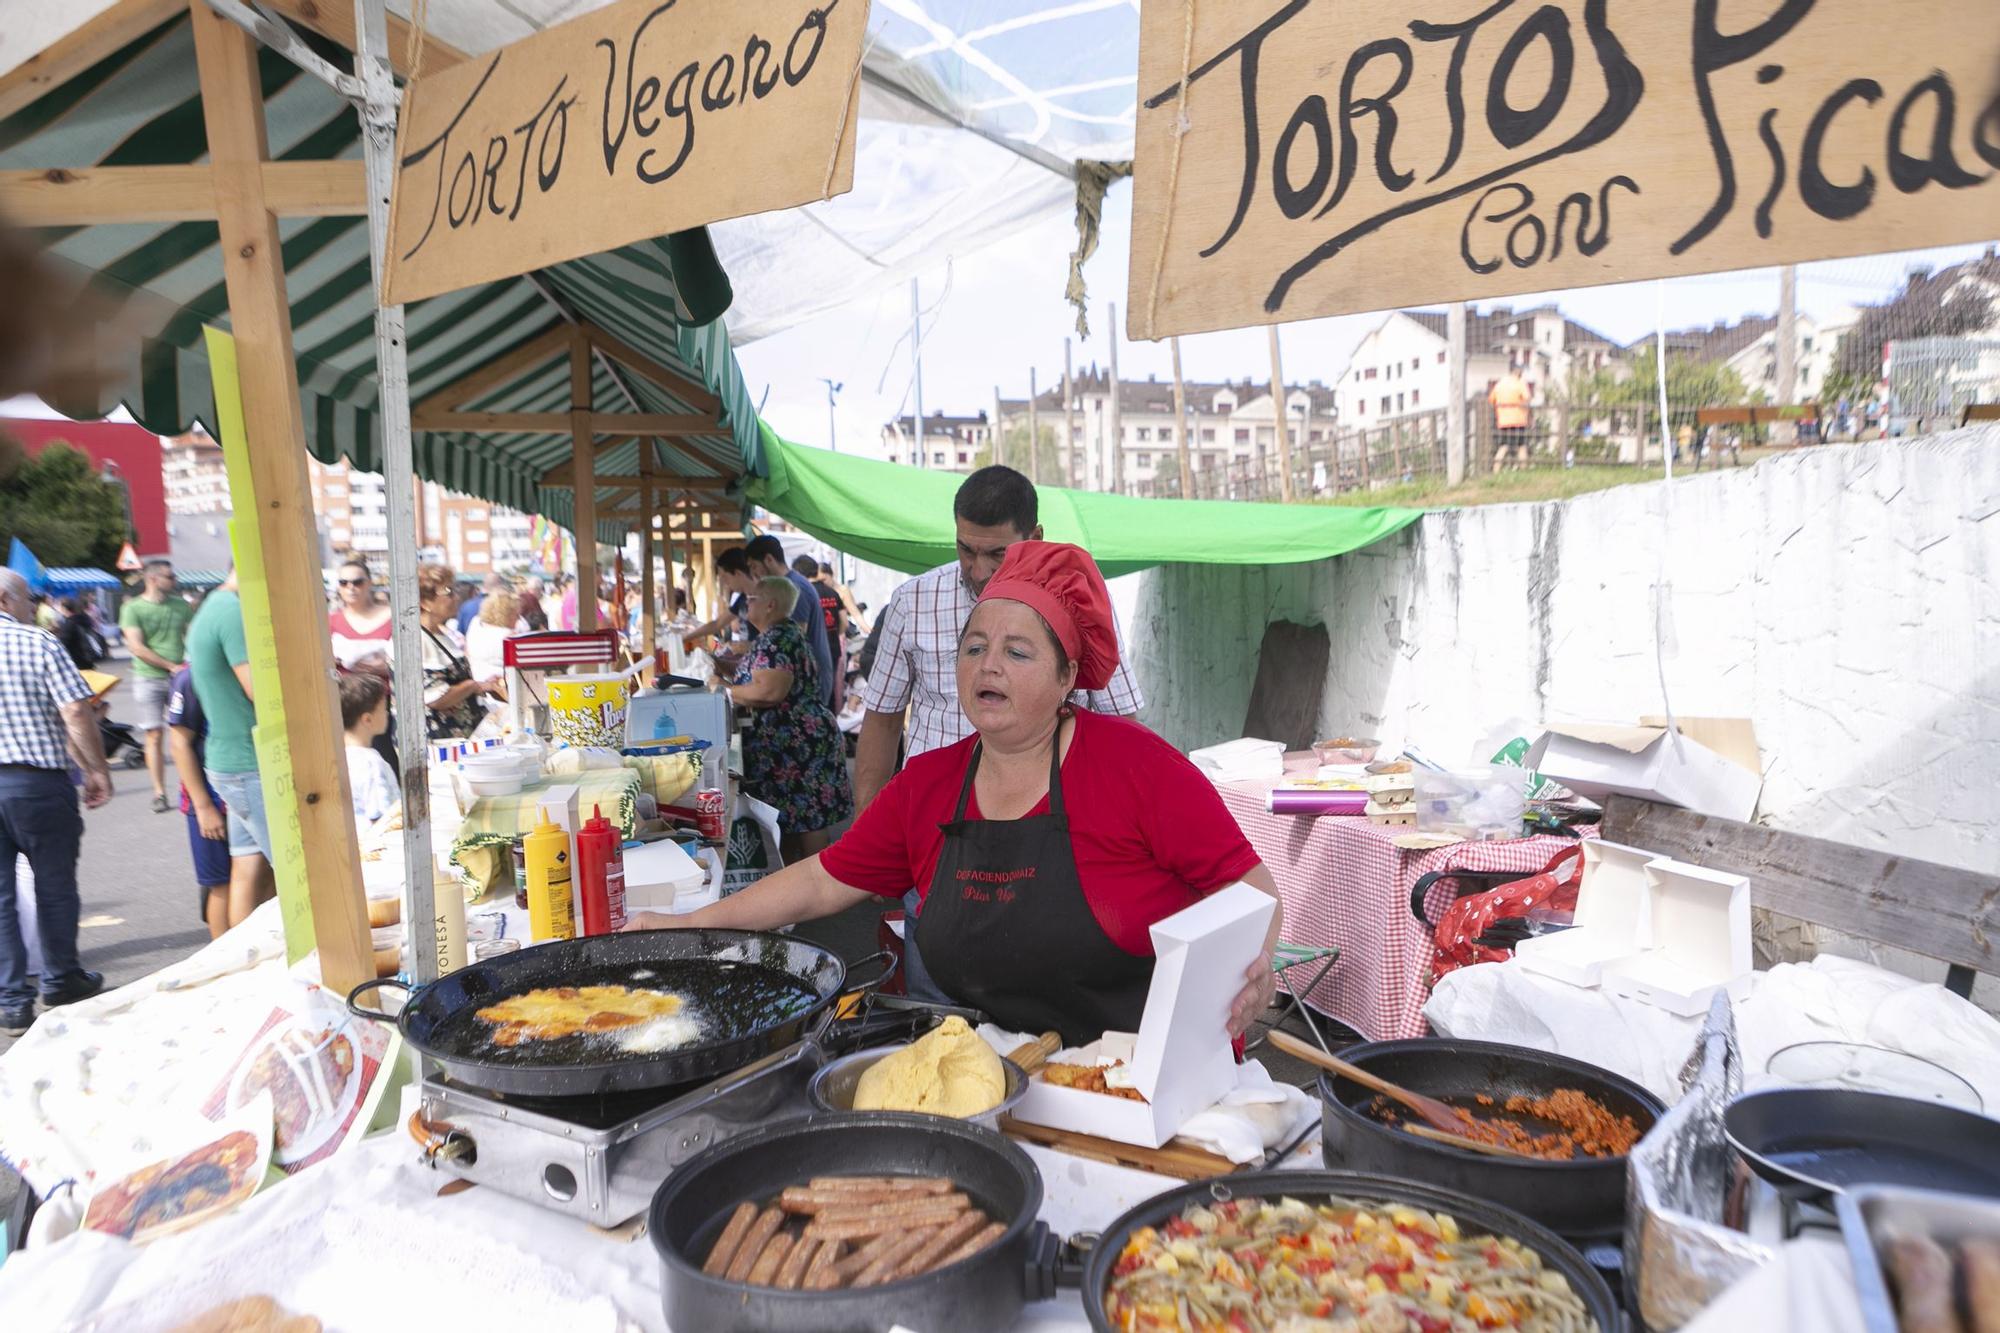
(1014, 453)
(59, 506)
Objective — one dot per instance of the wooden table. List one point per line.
(1345, 883)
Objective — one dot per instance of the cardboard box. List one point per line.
(1180, 1058)
(1699, 939)
(558, 804)
(1612, 921)
(1596, 760)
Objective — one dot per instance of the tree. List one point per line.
(1691, 384)
(1940, 305)
(1014, 453)
(57, 504)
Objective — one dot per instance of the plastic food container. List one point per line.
(1475, 803)
(388, 943)
(1347, 750)
(385, 905)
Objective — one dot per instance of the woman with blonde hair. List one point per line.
(451, 692)
(498, 620)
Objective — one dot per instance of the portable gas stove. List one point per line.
(600, 1159)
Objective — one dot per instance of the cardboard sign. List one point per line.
(1347, 155)
(635, 120)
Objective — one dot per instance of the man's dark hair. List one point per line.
(735, 560)
(997, 497)
(157, 562)
(766, 547)
(360, 693)
(807, 567)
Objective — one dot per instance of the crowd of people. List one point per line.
(784, 650)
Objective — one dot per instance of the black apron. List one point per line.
(1005, 927)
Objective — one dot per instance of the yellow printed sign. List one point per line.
(1343, 155)
(631, 121)
(274, 760)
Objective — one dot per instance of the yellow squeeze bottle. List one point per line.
(548, 857)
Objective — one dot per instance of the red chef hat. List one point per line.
(1060, 583)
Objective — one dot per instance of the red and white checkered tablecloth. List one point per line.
(1345, 883)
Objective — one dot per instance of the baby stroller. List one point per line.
(122, 746)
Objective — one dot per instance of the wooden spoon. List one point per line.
(1432, 1111)
(1460, 1141)
(1036, 1053)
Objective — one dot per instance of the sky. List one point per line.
(992, 315)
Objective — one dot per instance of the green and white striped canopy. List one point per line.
(141, 106)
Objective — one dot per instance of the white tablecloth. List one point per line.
(363, 1241)
(1828, 999)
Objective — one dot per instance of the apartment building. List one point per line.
(1402, 367)
(473, 536)
(1225, 422)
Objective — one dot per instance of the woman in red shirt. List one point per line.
(1048, 843)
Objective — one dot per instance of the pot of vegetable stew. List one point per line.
(1582, 1198)
(1294, 1243)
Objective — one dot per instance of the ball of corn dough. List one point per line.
(948, 1071)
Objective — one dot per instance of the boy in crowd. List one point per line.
(364, 713)
(207, 819)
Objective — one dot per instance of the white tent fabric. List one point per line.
(972, 113)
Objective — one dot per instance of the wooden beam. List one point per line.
(232, 106)
(564, 474)
(544, 346)
(712, 485)
(693, 394)
(1935, 910)
(585, 457)
(335, 19)
(89, 196)
(126, 21)
(648, 617)
(607, 425)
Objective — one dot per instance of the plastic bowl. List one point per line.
(499, 784)
(1347, 750)
(832, 1088)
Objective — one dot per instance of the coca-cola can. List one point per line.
(708, 814)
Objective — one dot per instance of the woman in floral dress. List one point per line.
(793, 757)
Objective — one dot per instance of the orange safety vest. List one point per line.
(1510, 402)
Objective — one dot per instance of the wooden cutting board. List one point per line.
(1175, 1159)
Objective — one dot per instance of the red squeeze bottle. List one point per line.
(600, 875)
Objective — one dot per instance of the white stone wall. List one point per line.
(1845, 598)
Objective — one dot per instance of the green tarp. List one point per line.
(900, 517)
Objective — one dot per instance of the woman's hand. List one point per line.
(1260, 988)
(655, 921)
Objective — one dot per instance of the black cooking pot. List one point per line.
(1582, 1199)
(976, 1295)
(1472, 1217)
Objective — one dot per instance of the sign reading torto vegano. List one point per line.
(1344, 155)
(635, 120)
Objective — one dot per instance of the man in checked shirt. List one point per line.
(47, 721)
(916, 666)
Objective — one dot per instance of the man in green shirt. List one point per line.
(219, 663)
(155, 625)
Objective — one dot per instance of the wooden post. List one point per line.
(232, 105)
(584, 450)
(1114, 466)
(1279, 414)
(649, 628)
(1034, 434)
(1181, 421)
(1454, 400)
(1069, 420)
(998, 453)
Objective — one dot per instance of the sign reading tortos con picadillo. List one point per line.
(631, 121)
(1298, 158)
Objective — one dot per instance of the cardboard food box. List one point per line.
(1179, 1059)
(1612, 922)
(1698, 927)
(1598, 759)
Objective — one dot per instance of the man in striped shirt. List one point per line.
(47, 720)
(916, 666)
